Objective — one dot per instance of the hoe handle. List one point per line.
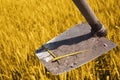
(89, 15)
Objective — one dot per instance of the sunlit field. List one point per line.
(27, 24)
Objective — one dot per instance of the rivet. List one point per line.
(105, 45)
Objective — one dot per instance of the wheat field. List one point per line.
(27, 24)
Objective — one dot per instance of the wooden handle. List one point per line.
(97, 28)
(89, 15)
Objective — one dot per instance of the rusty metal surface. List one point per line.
(77, 38)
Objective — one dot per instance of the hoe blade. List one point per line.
(77, 41)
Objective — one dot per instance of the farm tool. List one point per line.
(77, 45)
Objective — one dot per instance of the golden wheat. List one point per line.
(27, 24)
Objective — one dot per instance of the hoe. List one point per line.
(77, 45)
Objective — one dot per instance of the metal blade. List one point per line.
(77, 38)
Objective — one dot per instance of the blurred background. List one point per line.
(27, 24)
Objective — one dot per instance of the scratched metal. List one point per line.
(75, 39)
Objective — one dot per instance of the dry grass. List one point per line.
(27, 24)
